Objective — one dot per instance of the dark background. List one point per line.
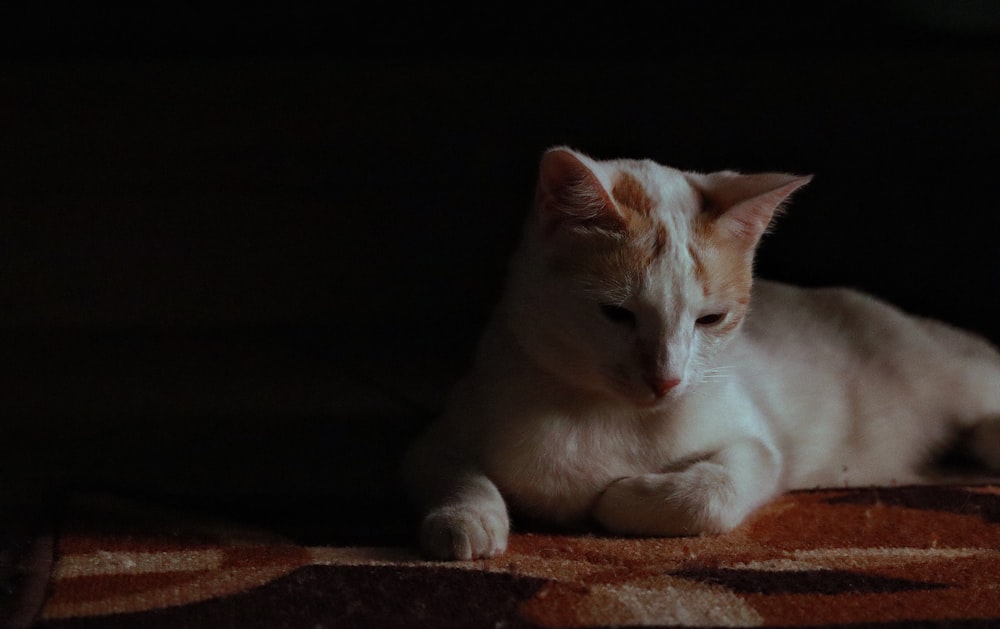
(244, 253)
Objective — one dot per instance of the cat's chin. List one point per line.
(653, 402)
(637, 394)
(643, 399)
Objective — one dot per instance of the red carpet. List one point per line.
(909, 556)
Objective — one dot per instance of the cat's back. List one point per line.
(839, 373)
(820, 349)
(833, 321)
(813, 317)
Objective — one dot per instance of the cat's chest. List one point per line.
(555, 465)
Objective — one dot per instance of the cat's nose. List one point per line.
(661, 386)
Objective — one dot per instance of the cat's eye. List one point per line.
(618, 314)
(710, 319)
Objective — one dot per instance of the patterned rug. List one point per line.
(887, 557)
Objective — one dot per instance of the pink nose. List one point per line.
(661, 386)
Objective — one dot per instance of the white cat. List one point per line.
(630, 377)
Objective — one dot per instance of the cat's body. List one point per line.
(628, 376)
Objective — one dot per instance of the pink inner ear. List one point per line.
(569, 192)
(744, 205)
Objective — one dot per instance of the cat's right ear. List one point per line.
(570, 196)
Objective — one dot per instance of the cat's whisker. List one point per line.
(717, 374)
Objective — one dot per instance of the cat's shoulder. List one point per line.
(787, 313)
(831, 300)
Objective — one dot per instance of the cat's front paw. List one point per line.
(695, 501)
(464, 532)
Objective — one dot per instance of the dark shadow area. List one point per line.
(243, 255)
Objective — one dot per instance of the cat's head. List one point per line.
(632, 275)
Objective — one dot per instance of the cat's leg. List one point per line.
(712, 495)
(972, 388)
(985, 443)
(984, 420)
(984, 436)
(465, 515)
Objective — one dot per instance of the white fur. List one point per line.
(813, 388)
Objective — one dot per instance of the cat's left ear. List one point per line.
(570, 194)
(741, 207)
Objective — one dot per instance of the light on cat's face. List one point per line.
(655, 343)
(647, 367)
(634, 274)
(604, 316)
(662, 363)
(641, 336)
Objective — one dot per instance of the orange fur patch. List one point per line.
(631, 196)
(722, 267)
(659, 239)
(647, 242)
(700, 273)
(647, 233)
